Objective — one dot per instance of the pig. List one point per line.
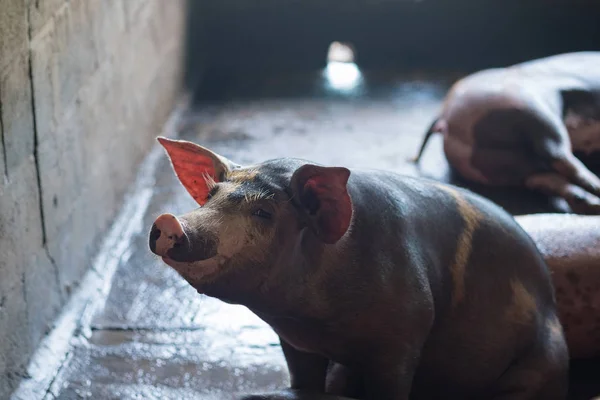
(570, 245)
(519, 126)
(379, 286)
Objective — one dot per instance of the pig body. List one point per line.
(379, 286)
(519, 126)
(570, 245)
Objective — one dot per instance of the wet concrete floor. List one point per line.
(156, 338)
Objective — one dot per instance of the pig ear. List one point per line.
(322, 192)
(195, 166)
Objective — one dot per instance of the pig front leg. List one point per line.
(385, 377)
(344, 381)
(390, 379)
(307, 371)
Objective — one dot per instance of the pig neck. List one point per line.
(300, 278)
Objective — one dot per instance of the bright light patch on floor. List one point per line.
(342, 76)
(342, 73)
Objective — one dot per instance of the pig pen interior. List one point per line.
(156, 337)
(261, 87)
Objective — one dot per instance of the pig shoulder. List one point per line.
(461, 242)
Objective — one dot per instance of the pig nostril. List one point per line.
(155, 234)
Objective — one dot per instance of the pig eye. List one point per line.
(261, 214)
(211, 193)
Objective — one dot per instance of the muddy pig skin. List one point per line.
(519, 126)
(570, 245)
(379, 286)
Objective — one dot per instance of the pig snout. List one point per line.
(169, 239)
(167, 234)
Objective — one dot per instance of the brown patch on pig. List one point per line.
(220, 198)
(523, 305)
(471, 219)
(242, 175)
(240, 235)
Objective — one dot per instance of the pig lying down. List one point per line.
(570, 245)
(520, 125)
(379, 286)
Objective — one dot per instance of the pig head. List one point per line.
(249, 223)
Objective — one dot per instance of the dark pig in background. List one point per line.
(519, 126)
(379, 286)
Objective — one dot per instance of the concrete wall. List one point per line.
(85, 86)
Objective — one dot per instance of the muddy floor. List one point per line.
(156, 338)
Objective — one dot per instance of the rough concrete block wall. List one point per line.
(84, 87)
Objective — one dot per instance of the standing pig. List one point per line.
(519, 126)
(379, 286)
